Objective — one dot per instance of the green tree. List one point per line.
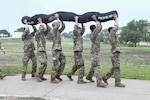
(135, 31)
(21, 29)
(4, 32)
(67, 35)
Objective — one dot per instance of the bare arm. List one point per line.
(76, 22)
(115, 29)
(97, 29)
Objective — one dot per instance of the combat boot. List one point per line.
(33, 75)
(69, 76)
(81, 82)
(39, 79)
(2, 76)
(43, 78)
(54, 81)
(90, 79)
(23, 78)
(58, 77)
(101, 84)
(105, 80)
(118, 84)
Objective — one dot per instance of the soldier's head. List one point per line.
(92, 27)
(42, 28)
(54, 24)
(110, 29)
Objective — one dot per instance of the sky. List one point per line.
(11, 11)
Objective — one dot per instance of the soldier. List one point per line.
(59, 58)
(29, 49)
(115, 54)
(41, 48)
(95, 49)
(78, 48)
(2, 75)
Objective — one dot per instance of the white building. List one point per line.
(16, 34)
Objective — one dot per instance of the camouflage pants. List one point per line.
(95, 67)
(25, 60)
(115, 67)
(42, 57)
(59, 61)
(79, 64)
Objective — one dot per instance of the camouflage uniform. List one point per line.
(115, 54)
(2, 75)
(29, 49)
(41, 50)
(78, 48)
(95, 49)
(59, 58)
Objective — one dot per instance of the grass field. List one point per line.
(135, 61)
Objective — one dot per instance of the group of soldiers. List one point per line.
(59, 58)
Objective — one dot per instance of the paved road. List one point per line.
(12, 88)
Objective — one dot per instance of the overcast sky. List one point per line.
(11, 11)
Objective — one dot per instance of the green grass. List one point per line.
(131, 67)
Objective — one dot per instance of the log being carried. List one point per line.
(69, 16)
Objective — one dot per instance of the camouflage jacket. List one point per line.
(27, 38)
(77, 38)
(114, 40)
(56, 36)
(95, 39)
(40, 37)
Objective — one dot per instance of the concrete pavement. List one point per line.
(13, 88)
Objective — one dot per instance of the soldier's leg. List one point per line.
(80, 64)
(2, 75)
(81, 75)
(25, 60)
(43, 65)
(34, 64)
(74, 68)
(117, 71)
(90, 75)
(55, 66)
(98, 77)
(94, 59)
(111, 71)
(62, 60)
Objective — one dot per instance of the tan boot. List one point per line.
(58, 77)
(69, 76)
(101, 84)
(118, 84)
(105, 80)
(54, 81)
(39, 79)
(91, 80)
(23, 79)
(33, 75)
(2, 76)
(81, 82)
(43, 78)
